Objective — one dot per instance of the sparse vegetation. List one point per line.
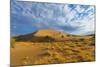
(73, 49)
(13, 41)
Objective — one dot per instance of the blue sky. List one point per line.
(27, 17)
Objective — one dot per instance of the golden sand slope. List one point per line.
(30, 50)
(25, 53)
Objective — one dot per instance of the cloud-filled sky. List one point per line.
(27, 17)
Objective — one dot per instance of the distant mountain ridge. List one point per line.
(45, 35)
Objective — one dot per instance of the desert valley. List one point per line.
(49, 46)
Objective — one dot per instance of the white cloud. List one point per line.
(47, 15)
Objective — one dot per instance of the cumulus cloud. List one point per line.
(69, 18)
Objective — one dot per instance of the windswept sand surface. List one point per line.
(27, 53)
(24, 53)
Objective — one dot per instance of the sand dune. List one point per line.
(50, 46)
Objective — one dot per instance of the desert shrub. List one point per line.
(58, 58)
(92, 38)
(92, 41)
(13, 41)
(62, 36)
(87, 56)
(48, 39)
(81, 39)
(68, 35)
